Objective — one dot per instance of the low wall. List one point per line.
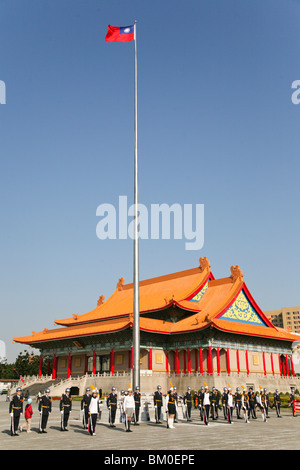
(149, 382)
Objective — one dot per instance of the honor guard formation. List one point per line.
(241, 404)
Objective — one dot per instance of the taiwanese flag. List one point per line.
(120, 33)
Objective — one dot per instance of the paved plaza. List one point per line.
(275, 434)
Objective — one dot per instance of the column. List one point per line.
(228, 361)
(184, 361)
(264, 363)
(218, 361)
(280, 368)
(247, 361)
(150, 359)
(189, 360)
(292, 365)
(201, 360)
(69, 366)
(54, 367)
(41, 366)
(112, 362)
(94, 362)
(167, 361)
(177, 362)
(209, 361)
(287, 365)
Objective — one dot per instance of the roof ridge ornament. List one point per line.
(170, 300)
(101, 300)
(120, 284)
(236, 273)
(204, 264)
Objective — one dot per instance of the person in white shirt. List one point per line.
(93, 413)
(229, 406)
(206, 405)
(128, 407)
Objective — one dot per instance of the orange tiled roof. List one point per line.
(155, 294)
(56, 334)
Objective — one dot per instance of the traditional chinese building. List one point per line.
(191, 324)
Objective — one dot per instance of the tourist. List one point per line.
(229, 405)
(129, 407)
(206, 405)
(27, 415)
(93, 410)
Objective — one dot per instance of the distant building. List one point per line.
(2, 351)
(287, 318)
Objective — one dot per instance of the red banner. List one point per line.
(296, 406)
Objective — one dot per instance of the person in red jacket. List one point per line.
(28, 415)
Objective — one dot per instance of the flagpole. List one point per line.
(136, 313)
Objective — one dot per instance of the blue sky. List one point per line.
(216, 127)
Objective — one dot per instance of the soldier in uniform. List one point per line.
(137, 402)
(196, 400)
(45, 408)
(112, 401)
(65, 407)
(176, 398)
(224, 401)
(85, 403)
(238, 403)
(171, 407)
(200, 402)
(187, 400)
(16, 410)
(252, 403)
(214, 401)
(245, 405)
(158, 401)
(292, 398)
(277, 402)
(121, 407)
(267, 402)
